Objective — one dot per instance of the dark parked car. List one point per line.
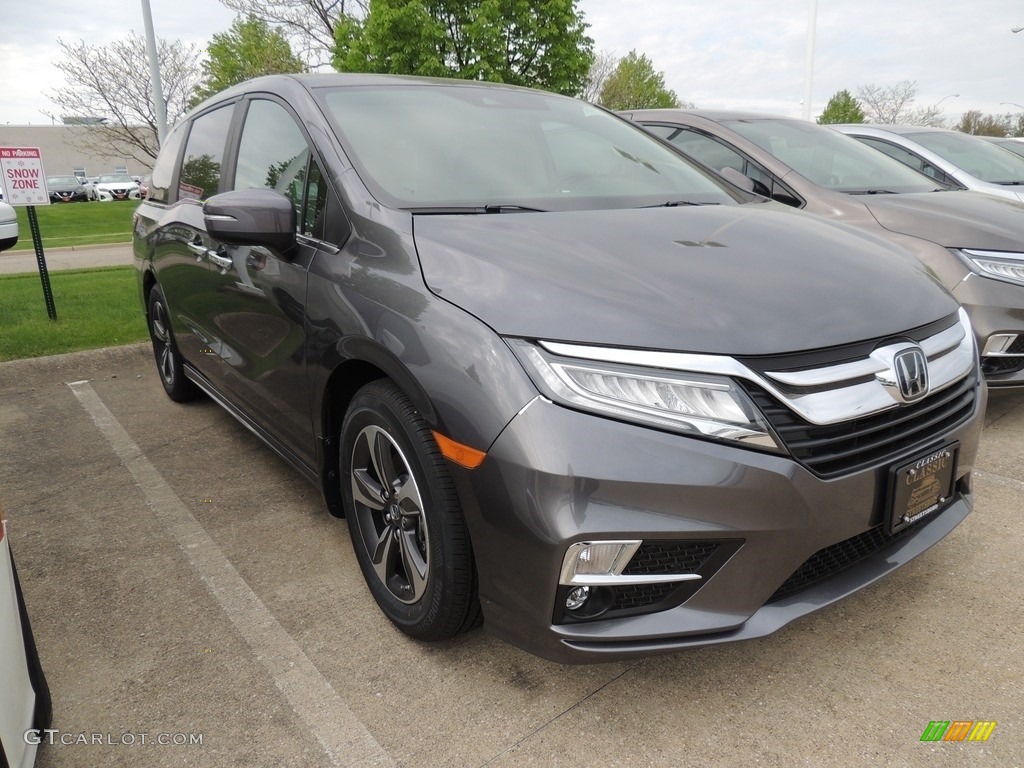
(973, 242)
(550, 371)
(66, 189)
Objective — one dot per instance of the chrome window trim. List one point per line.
(813, 394)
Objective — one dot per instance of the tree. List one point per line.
(842, 108)
(249, 49)
(895, 104)
(975, 123)
(1015, 124)
(604, 64)
(308, 24)
(542, 45)
(111, 81)
(635, 85)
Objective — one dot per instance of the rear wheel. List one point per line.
(403, 514)
(168, 359)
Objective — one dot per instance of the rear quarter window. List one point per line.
(166, 162)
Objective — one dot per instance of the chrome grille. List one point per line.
(837, 449)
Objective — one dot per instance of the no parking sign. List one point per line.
(24, 181)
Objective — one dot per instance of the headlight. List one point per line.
(1001, 265)
(695, 404)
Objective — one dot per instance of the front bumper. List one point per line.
(555, 477)
(69, 197)
(108, 195)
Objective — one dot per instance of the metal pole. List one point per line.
(812, 24)
(154, 74)
(44, 275)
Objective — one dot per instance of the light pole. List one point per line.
(1011, 104)
(1015, 30)
(951, 96)
(154, 74)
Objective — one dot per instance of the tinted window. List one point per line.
(906, 157)
(664, 131)
(273, 153)
(829, 158)
(204, 153)
(974, 155)
(714, 153)
(473, 146)
(166, 161)
(312, 220)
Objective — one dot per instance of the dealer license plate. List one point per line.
(921, 487)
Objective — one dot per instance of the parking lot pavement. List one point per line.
(186, 585)
(80, 257)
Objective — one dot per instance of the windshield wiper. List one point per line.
(506, 208)
(675, 204)
(440, 210)
(872, 192)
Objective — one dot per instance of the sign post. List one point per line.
(24, 183)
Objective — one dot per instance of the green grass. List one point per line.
(65, 224)
(95, 308)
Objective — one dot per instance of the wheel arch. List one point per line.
(353, 364)
(148, 281)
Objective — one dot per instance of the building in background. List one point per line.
(64, 149)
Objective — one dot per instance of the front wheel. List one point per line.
(404, 519)
(168, 359)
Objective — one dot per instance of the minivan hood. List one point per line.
(952, 219)
(738, 280)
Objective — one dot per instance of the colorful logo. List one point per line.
(958, 730)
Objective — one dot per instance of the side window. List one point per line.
(717, 155)
(204, 153)
(273, 153)
(662, 131)
(898, 153)
(166, 161)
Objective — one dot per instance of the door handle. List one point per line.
(224, 262)
(200, 250)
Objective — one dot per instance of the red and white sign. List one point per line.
(23, 178)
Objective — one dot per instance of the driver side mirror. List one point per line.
(737, 179)
(251, 217)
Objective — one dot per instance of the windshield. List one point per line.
(424, 146)
(1012, 145)
(974, 155)
(116, 179)
(61, 180)
(830, 159)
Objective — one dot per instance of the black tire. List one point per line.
(408, 532)
(165, 351)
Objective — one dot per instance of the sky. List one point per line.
(729, 54)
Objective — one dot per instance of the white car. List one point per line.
(25, 704)
(117, 187)
(8, 227)
(955, 159)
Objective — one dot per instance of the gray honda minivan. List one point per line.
(556, 377)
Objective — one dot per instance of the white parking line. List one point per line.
(341, 734)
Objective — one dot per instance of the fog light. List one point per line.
(594, 562)
(999, 344)
(577, 598)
